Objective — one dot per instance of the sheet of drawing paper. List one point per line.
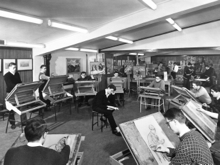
(53, 141)
(153, 135)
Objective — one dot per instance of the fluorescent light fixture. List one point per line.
(112, 38)
(10, 15)
(74, 49)
(89, 50)
(177, 27)
(140, 54)
(126, 41)
(66, 27)
(151, 4)
(24, 44)
(170, 20)
(132, 53)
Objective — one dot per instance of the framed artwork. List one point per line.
(97, 68)
(109, 63)
(24, 64)
(73, 65)
(0, 65)
(5, 64)
(139, 71)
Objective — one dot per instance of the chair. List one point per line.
(159, 101)
(95, 120)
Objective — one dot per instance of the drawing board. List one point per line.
(153, 135)
(201, 121)
(135, 141)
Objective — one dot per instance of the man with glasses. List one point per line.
(34, 153)
(192, 149)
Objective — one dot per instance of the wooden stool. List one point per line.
(97, 116)
(159, 101)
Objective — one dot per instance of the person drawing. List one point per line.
(192, 149)
(34, 153)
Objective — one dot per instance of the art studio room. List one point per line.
(126, 82)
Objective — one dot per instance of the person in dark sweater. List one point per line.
(34, 153)
(208, 75)
(84, 77)
(103, 102)
(192, 149)
(12, 78)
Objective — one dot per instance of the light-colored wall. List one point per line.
(37, 62)
(58, 61)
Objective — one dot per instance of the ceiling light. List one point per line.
(126, 41)
(23, 44)
(140, 54)
(177, 27)
(170, 20)
(112, 38)
(20, 17)
(66, 27)
(89, 50)
(151, 4)
(75, 49)
(132, 53)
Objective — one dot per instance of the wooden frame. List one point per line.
(24, 64)
(5, 64)
(201, 121)
(73, 65)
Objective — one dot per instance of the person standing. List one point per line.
(187, 76)
(175, 69)
(12, 78)
(102, 104)
(34, 153)
(192, 149)
(43, 78)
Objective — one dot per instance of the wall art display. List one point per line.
(97, 68)
(73, 65)
(109, 63)
(24, 64)
(5, 64)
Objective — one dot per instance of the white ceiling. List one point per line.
(93, 15)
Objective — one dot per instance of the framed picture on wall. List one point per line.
(0, 65)
(97, 68)
(73, 65)
(24, 64)
(5, 64)
(109, 65)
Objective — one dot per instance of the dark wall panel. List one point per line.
(14, 53)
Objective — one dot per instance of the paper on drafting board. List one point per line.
(55, 142)
(153, 135)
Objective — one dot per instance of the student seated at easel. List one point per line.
(157, 83)
(118, 96)
(200, 93)
(84, 77)
(192, 149)
(34, 153)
